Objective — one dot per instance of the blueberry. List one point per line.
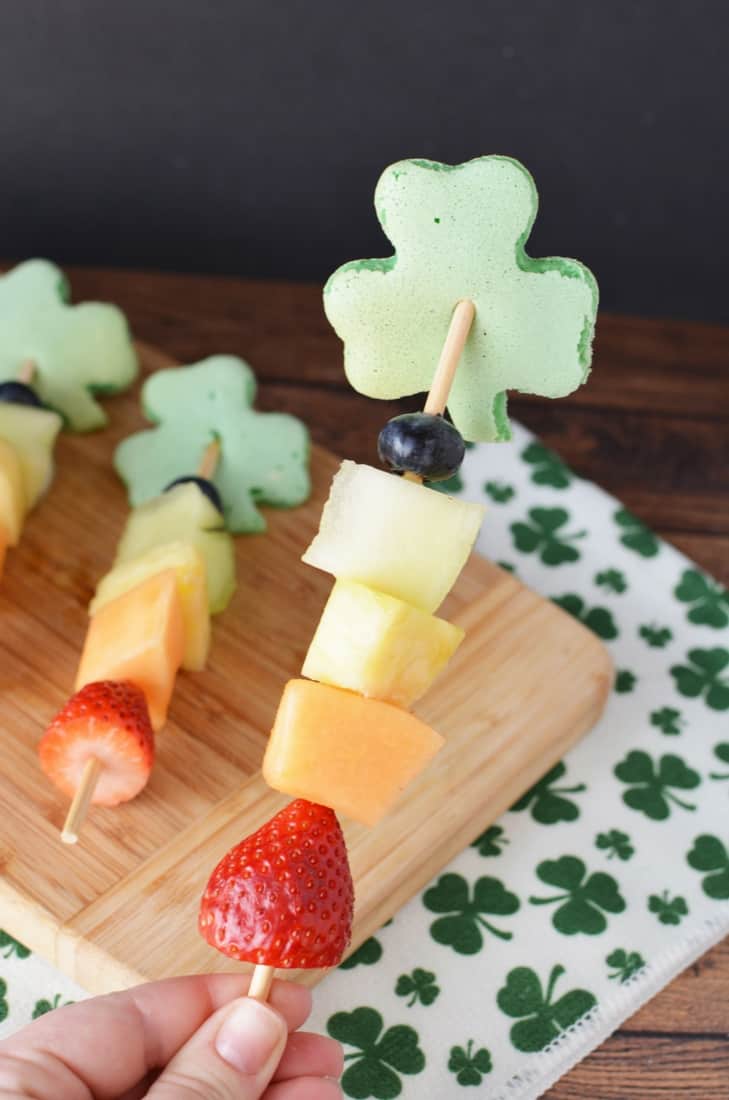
(422, 444)
(17, 393)
(204, 485)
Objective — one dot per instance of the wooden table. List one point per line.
(652, 427)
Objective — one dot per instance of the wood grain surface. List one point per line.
(651, 426)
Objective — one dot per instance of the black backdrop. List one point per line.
(246, 137)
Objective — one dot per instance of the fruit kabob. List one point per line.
(344, 739)
(53, 358)
(193, 482)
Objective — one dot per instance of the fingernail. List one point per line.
(250, 1037)
(333, 1090)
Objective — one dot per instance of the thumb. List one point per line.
(233, 1056)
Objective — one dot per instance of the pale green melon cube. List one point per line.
(32, 432)
(394, 535)
(184, 513)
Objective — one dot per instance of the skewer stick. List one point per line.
(27, 371)
(450, 355)
(209, 460)
(81, 801)
(261, 982)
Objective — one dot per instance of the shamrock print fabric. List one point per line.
(603, 881)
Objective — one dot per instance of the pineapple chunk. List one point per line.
(353, 754)
(379, 646)
(32, 432)
(189, 567)
(394, 535)
(12, 493)
(184, 513)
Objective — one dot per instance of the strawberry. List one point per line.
(109, 720)
(283, 896)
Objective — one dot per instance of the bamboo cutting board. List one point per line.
(121, 906)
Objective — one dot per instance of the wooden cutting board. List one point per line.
(121, 906)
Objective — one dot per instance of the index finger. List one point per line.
(111, 1043)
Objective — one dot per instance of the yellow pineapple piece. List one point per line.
(189, 566)
(12, 493)
(378, 645)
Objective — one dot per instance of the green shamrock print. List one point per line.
(540, 535)
(597, 619)
(462, 927)
(378, 1060)
(548, 806)
(549, 469)
(710, 855)
(721, 752)
(540, 1021)
(3, 1000)
(612, 580)
(507, 566)
(499, 492)
(624, 964)
(668, 910)
(625, 681)
(635, 535)
(668, 720)
(43, 1007)
(10, 946)
(491, 842)
(701, 677)
(469, 1065)
(418, 986)
(585, 896)
(655, 636)
(709, 601)
(452, 484)
(649, 784)
(615, 843)
(367, 954)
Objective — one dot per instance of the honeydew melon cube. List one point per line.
(139, 636)
(378, 645)
(394, 535)
(189, 566)
(184, 513)
(337, 748)
(12, 493)
(32, 432)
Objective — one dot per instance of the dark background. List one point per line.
(231, 136)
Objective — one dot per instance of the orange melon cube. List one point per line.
(140, 636)
(4, 541)
(337, 748)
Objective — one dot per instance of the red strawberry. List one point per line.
(283, 896)
(109, 720)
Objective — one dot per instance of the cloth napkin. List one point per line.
(603, 882)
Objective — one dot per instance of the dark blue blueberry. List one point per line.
(17, 393)
(204, 485)
(422, 444)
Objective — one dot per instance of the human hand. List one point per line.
(197, 1038)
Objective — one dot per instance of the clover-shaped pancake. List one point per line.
(459, 232)
(263, 456)
(77, 351)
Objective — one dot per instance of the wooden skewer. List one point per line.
(81, 801)
(27, 371)
(209, 460)
(261, 982)
(450, 355)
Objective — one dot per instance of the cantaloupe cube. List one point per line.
(140, 636)
(32, 432)
(12, 493)
(353, 754)
(189, 566)
(394, 535)
(378, 645)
